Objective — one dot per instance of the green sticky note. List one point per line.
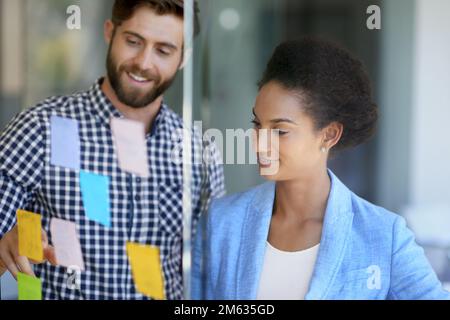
(30, 288)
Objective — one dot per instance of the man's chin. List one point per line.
(135, 104)
(135, 87)
(132, 96)
(131, 100)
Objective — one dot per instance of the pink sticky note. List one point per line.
(129, 139)
(66, 243)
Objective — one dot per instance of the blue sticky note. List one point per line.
(95, 195)
(65, 143)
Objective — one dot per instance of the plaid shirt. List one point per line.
(143, 210)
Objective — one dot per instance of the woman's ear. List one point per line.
(332, 134)
(108, 31)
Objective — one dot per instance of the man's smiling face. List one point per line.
(144, 55)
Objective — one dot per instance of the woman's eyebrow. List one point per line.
(278, 120)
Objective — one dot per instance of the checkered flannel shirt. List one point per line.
(143, 210)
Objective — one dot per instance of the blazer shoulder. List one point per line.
(373, 217)
(235, 205)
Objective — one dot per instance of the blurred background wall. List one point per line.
(404, 168)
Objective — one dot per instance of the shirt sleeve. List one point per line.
(198, 276)
(412, 277)
(213, 186)
(212, 181)
(21, 166)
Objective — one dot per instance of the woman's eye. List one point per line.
(280, 132)
(255, 123)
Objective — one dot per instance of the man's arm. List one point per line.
(21, 166)
(213, 186)
(213, 181)
(21, 169)
(2, 268)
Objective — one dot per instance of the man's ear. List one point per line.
(186, 56)
(332, 134)
(108, 31)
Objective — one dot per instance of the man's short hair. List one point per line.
(124, 10)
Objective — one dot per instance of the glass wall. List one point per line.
(41, 57)
(237, 40)
(240, 36)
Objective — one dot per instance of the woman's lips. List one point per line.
(264, 162)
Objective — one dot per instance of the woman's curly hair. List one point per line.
(331, 82)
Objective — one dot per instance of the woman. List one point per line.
(304, 234)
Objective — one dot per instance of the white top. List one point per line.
(286, 275)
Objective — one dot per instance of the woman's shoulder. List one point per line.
(366, 214)
(237, 203)
(373, 218)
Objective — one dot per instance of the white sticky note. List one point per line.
(65, 143)
(129, 139)
(66, 243)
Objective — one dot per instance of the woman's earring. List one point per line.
(323, 149)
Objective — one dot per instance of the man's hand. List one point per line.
(2, 268)
(9, 254)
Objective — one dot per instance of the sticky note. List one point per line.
(29, 288)
(30, 235)
(65, 143)
(131, 146)
(67, 245)
(95, 195)
(146, 269)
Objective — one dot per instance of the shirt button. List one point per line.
(138, 180)
(137, 198)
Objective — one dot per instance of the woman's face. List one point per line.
(299, 149)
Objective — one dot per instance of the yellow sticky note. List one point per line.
(146, 269)
(30, 235)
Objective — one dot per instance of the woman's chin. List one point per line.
(269, 174)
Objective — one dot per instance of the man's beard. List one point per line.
(134, 97)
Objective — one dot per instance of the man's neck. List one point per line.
(145, 115)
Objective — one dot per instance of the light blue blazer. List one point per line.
(366, 252)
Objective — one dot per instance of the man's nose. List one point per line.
(144, 60)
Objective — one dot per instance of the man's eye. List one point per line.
(163, 52)
(132, 42)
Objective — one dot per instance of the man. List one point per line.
(146, 46)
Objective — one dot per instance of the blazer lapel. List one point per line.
(336, 229)
(335, 232)
(254, 236)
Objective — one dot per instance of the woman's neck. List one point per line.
(304, 198)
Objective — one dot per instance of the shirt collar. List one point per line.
(104, 110)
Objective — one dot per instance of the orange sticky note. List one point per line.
(146, 269)
(30, 235)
